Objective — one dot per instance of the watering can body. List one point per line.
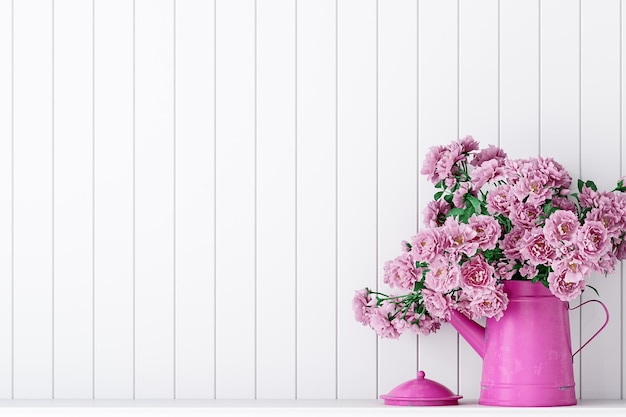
(527, 354)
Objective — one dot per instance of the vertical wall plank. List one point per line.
(316, 199)
(356, 193)
(560, 104)
(154, 199)
(73, 200)
(397, 166)
(113, 198)
(235, 224)
(438, 125)
(6, 199)
(600, 149)
(276, 198)
(478, 116)
(519, 78)
(33, 144)
(195, 141)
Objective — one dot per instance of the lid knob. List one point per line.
(421, 374)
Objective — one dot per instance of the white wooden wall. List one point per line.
(191, 190)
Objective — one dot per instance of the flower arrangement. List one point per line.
(494, 219)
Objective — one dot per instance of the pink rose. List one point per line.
(442, 276)
(458, 198)
(528, 271)
(525, 215)
(505, 269)
(435, 213)
(533, 190)
(426, 245)
(362, 305)
(563, 289)
(487, 230)
(561, 227)
(401, 272)
(499, 200)
(430, 164)
(592, 240)
(558, 177)
(380, 321)
(423, 324)
(488, 171)
(511, 243)
(459, 237)
(535, 247)
(437, 304)
(491, 305)
(476, 275)
(488, 154)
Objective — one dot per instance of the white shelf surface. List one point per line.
(326, 408)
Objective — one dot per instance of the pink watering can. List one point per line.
(527, 354)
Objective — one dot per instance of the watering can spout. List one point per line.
(471, 331)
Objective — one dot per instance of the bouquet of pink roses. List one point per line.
(495, 219)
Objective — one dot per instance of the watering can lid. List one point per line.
(421, 391)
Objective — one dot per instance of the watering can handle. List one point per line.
(606, 311)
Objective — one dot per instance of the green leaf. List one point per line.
(594, 290)
(456, 212)
(438, 195)
(474, 202)
(547, 207)
(448, 198)
(592, 185)
(580, 185)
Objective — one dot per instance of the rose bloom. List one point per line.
(487, 154)
(563, 289)
(489, 171)
(424, 324)
(592, 240)
(380, 322)
(572, 269)
(430, 164)
(606, 264)
(532, 189)
(511, 243)
(563, 203)
(362, 304)
(528, 271)
(466, 145)
(525, 215)
(476, 274)
(535, 247)
(401, 272)
(588, 198)
(561, 227)
(504, 270)
(459, 237)
(491, 305)
(487, 229)
(500, 199)
(620, 250)
(437, 304)
(458, 198)
(427, 245)
(610, 215)
(442, 276)
(557, 174)
(435, 213)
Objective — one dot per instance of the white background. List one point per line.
(192, 190)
